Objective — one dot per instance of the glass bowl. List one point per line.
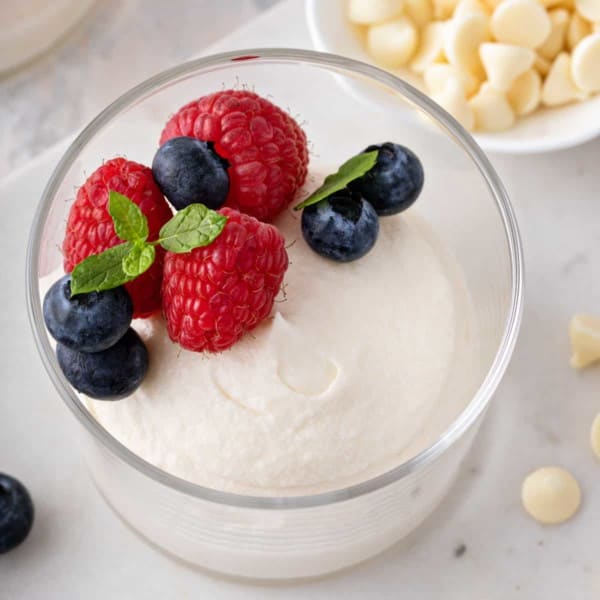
(465, 204)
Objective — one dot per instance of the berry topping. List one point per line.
(265, 148)
(215, 294)
(87, 322)
(394, 183)
(16, 513)
(90, 228)
(343, 227)
(188, 171)
(108, 375)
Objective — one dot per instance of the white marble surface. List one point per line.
(541, 415)
(118, 44)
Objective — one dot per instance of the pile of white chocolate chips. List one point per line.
(488, 62)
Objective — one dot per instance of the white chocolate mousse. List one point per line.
(361, 366)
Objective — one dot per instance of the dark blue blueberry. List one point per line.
(188, 170)
(394, 183)
(87, 322)
(108, 375)
(342, 227)
(16, 513)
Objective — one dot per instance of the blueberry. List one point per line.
(16, 513)
(188, 170)
(342, 227)
(108, 375)
(87, 322)
(394, 183)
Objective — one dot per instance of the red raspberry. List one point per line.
(265, 147)
(215, 294)
(90, 228)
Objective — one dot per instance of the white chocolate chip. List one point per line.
(584, 331)
(525, 94)
(392, 44)
(368, 12)
(471, 7)
(595, 436)
(464, 35)
(588, 9)
(420, 12)
(542, 65)
(559, 87)
(443, 9)
(491, 109)
(437, 75)
(503, 63)
(453, 99)
(585, 63)
(555, 42)
(431, 47)
(521, 22)
(551, 495)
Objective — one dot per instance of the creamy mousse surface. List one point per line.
(349, 377)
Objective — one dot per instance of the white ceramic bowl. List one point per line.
(544, 131)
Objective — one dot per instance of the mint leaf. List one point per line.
(194, 226)
(139, 260)
(101, 271)
(352, 169)
(130, 223)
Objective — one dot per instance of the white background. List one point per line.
(541, 415)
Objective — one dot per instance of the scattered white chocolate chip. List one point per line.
(431, 47)
(584, 331)
(521, 22)
(542, 65)
(595, 436)
(577, 30)
(551, 495)
(589, 9)
(368, 12)
(555, 42)
(585, 63)
(452, 98)
(437, 75)
(559, 87)
(392, 44)
(471, 7)
(464, 35)
(525, 94)
(503, 63)
(491, 109)
(420, 12)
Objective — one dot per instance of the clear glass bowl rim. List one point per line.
(315, 59)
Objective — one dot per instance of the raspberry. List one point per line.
(266, 149)
(90, 228)
(214, 294)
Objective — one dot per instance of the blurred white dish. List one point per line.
(544, 131)
(29, 27)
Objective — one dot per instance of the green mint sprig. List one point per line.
(352, 169)
(193, 227)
